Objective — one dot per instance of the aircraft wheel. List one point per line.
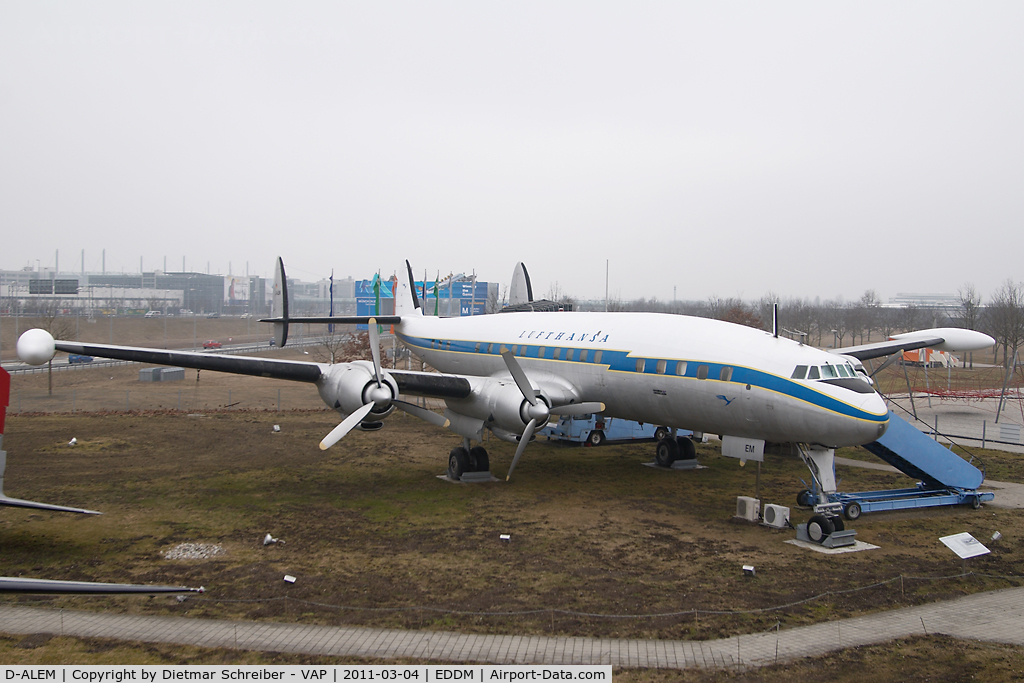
(976, 502)
(458, 463)
(478, 459)
(660, 433)
(819, 527)
(806, 498)
(852, 511)
(687, 449)
(666, 452)
(596, 438)
(838, 523)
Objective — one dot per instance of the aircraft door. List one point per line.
(751, 409)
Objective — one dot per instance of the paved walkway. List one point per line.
(997, 616)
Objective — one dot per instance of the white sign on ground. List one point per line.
(964, 545)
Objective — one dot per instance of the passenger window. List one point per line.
(490, 348)
(515, 348)
(660, 368)
(681, 368)
(583, 356)
(726, 374)
(597, 357)
(476, 349)
(522, 350)
(800, 372)
(558, 354)
(640, 364)
(813, 372)
(569, 353)
(702, 372)
(541, 351)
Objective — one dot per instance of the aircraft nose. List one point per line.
(875, 405)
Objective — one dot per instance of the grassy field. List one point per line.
(369, 526)
(375, 537)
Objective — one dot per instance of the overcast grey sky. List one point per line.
(724, 148)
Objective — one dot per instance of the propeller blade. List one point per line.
(579, 408)
(422, 413)
(339, 432)
(524, 440)
(375, 348)
(519, 376)
(888, 361)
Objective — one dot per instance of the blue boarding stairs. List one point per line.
(944, 477)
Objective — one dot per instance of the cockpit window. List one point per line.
(800, 372)
(813, 373)
(828, 372)
(843, 372)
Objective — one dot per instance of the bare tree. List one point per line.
(332, 345)
(1005, 317)
(58, 327)
(867, 315)
(492, 301)
(968, 312)
(556, 294)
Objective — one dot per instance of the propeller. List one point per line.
(538, 410)
(379, 394)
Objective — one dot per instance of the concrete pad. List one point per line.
(678, 465)
(469, 478)
(818, 548)
(1009, 496)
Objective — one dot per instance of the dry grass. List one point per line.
(368, 525)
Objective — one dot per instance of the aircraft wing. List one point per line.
(46, 586)
(940, 338)
(298, 371)
(19, 503)
(409, 382)
(886, 348)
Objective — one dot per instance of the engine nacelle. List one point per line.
(346, 387)
(499, 404)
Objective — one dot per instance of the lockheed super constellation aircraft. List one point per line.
(509, 373)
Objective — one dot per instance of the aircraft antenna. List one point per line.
(775, 320)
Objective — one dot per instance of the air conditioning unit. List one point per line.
(776, 516)
(748, 508)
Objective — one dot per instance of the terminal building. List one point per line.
(31, 290)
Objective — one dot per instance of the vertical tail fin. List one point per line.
(406, 301)
(280, 304)
(520, 291)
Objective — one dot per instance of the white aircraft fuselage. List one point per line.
(679, 371)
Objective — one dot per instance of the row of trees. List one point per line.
(840, 323)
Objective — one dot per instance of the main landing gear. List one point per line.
(463, 459)
(671, 448)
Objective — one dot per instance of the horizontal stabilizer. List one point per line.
(339, 320)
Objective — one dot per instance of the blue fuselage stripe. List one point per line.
(622, 361)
